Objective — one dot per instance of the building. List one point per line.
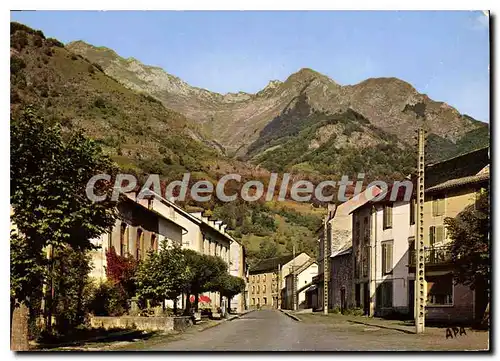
(144, 224)
(302, 276)
(450, 187)
(342, 292)
(381, 232)
(141, 226)
(267, 279)
(239, 268)
(337, 228)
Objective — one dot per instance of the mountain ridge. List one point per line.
(235, 120)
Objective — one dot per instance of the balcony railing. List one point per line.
(433, 255)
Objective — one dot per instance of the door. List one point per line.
(411, 299)
(342, 300)
(366, 299)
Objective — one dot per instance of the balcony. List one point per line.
(433, 255)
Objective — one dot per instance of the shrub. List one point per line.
(99, 103)
(74, 57)
(19, 40)
(91, 69)
(107, 299)
(15, 26)
(16, 64)
(38, 42)
(55, 42)
(14, 97)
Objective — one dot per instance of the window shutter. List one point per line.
(441, 206)
(432, 235)
(389, 257)
(389, 214)
(434, 207)
(439, 234)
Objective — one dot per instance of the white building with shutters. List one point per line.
(382, 232)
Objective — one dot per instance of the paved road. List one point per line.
(271, 330)
(264, 330)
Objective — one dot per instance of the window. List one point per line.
(258, 289)
(138, 244)
(264, 300)
(388, 216)
(253, 301)
(154, 243)
(440, 290)
(436, 235)
(357, 232)
(413, 209)
(110, 239)
(437, 206)
(253, 289)
(387, 257)
(264, 289)
(264, 278)
(366, 255)
(123, 239)
(384, 294)
(357, 292)
(366, 229)
(258, 278)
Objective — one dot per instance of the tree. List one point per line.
(203, 273)
(229, 286)
(121, 272)
(163, 275)
(49, 173)
(470, 250)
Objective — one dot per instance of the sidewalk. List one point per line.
(397, 334)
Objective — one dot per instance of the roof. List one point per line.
(271, 264)
(462, 166)
(479, 178)
(305, 265)
(343, 252)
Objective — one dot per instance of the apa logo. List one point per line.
(456, 331)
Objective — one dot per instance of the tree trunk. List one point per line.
(196, 301)
(19, 328)
(175, 306)
(187, 311)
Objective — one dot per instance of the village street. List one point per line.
(271, 330)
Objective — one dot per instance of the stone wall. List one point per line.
(164, 324)
(341, 278)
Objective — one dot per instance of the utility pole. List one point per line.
(278, 287)
(420, 296)
(326, 276)
(294, 281)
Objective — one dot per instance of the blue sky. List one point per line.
(442, 54)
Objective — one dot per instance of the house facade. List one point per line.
(267, 278)
(337, 228)
(144, 224)
(450, 187)
(302, 276)
(381, 232)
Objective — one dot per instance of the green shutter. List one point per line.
(432, 235)
(439, 234)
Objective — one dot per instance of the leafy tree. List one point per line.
(163, 275)
(470, 249)
(49, 173)
(204, 271)
(121, 271)
(229, 286)
(70, 279)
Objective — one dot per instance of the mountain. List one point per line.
(149, 121)
(143, 136)
(240, 121)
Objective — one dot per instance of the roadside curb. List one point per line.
(293, 317)
(240, 315)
